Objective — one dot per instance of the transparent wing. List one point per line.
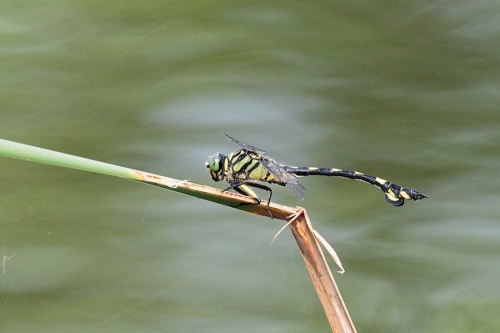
(290, 179)
(245, 146)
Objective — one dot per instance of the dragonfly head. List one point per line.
(215, 166)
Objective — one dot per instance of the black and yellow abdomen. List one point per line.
(394, 194)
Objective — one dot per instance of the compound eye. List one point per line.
(213, 163)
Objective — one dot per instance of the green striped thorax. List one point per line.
(215, 166)
(240, 166)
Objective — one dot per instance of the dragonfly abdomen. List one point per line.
(313, 171)
(394, 194)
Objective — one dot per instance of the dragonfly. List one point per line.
(248, 167)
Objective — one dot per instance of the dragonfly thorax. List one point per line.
(215, 166)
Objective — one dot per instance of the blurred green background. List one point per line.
(405, 90)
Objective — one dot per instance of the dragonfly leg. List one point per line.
(243, 188)
(263, 187)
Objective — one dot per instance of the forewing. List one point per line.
(290, 179)
(245, 146)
